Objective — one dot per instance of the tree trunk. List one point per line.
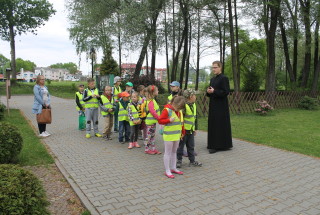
(233, 50)
(13, 53)
(237, 42)
(286, 50)
(305, 6)
(186, 41)
(173, 44)
(224, 35)
(273, 6)
(295, 42)
(142, 54)
(316, 59)
(214, 11)
(176, 58)
(147, 62)
(188, 57)
(154, 48)
(198, 52)
(167, 51)
(119, 44)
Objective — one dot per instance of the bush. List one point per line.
(21, 192)
(2, 110)
(251, 82)
(147, 80)
(263, 108)
(10, 142)
(308, 103)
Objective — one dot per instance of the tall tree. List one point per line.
(236, 79)
(22, 16)
(316, 70)
(305, 9)
(286, 50)
(271, 10)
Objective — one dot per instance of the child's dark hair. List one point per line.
(179, 102)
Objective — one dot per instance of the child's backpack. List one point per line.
(142, 110)
(161, 126)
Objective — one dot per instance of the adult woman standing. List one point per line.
(41, 100)
(219, 127)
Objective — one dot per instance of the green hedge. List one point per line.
(21, 192)
(10, 142)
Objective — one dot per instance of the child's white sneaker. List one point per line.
(47, 133)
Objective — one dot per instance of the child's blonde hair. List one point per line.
(134, 93)
(179, 102)
(150, 91)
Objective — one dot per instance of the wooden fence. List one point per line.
(246, 102)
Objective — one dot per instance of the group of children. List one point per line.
(135, 114)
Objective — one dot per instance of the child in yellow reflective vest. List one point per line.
(142, 112)
(172, 119)
(134, 120)
(107, 111)
(190, 125)
(121, 109)
(80, 107)
(153, 110)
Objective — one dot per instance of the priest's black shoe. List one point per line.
(211, 151)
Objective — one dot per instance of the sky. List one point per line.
(52, 45)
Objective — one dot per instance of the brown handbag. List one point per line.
(45, 116)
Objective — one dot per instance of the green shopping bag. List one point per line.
(82, 122)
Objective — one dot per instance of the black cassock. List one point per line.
(219, 127)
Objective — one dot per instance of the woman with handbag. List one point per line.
(41, 101)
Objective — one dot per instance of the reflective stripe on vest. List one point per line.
(150, 120)
(123, 113)
(80, 96)
(135, 114)
(172, 131)
(107, 104)
(116, 92)
(93, 102)
(190, 118)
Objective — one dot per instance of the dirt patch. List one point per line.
(61, 196)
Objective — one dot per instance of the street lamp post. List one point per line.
(93, 58)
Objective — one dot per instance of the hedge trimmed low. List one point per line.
(10, 142)
(21, 192)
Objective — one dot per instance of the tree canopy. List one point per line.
(22, 16)
(72, 67)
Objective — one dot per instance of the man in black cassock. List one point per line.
(219, 127)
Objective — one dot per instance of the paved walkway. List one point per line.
(250, 179)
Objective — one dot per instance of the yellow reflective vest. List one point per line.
(116, 92)
(135, 114)
(150, 120)
(190, 117)
(172, 131)
(123, 113)
(93, 102)
(107, 104)
(80, 96)
(169, 98)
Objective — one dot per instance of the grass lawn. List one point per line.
(290, 129)
(33, 151)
